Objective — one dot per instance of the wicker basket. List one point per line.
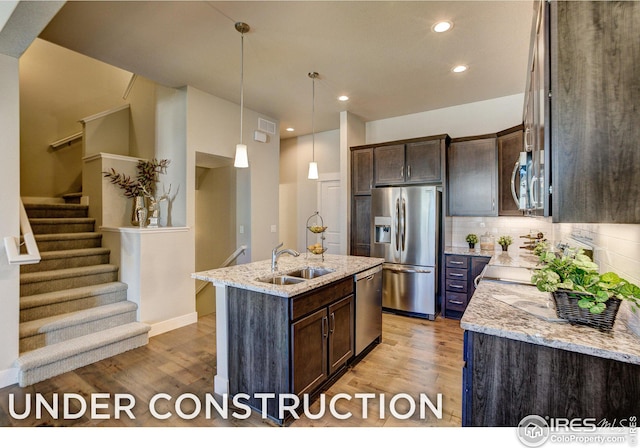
(567, 308)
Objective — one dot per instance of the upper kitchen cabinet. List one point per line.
(416, 161)
(362, 171)
(472, 177)
(584, 81)
(510, 145)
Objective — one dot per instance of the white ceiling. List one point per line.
(383, 55)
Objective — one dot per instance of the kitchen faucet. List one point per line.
(275, 254)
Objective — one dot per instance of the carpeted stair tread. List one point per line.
(45, 276)
(43, 237)
(69, 348)
(44, 210)
(67, 295)
(61, 225)
(63, 259)
(54, 323)
(65, 241)
(71, 253)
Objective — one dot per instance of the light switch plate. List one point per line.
(273, 228)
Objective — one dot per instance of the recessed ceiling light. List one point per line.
(459, 69)
(343, 98)
(441, 27)
(290, 129)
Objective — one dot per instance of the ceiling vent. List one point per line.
(267, 126)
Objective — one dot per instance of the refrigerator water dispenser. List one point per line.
(382, 229)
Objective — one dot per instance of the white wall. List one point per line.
(9, 210)
(213, 128)
(298, 195)
(477, 118)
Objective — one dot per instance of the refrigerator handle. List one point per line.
(404, 222)
(397, 224)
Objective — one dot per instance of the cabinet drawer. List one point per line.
(312, 301)
(456, 301)
(457, 261)
(457, 274)
(456, 285)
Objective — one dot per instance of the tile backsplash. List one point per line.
(516, 227)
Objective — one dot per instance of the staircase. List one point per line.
(73, 309)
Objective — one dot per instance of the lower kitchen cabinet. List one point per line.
(505, 380)
(322, 343)
(285, 345)
(460, 272)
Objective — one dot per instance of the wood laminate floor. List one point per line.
(415, 357)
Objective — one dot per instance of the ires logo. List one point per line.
(534, 431)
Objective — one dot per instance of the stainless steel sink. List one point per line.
(309, 272)
(281, 280)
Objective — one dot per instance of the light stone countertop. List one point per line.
(514, 257)
(245, 275)
(490, 315)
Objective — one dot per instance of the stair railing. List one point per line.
(66, 141)
(230, 259)
(12, 244)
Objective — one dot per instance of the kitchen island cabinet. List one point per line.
(284, 339)
(518, 364)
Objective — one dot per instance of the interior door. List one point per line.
(329, 207)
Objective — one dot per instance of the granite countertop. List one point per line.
(245, 275)
(514, 311)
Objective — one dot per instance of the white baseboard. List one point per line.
(8, 377)
(171, 324)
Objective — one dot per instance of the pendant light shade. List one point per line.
(242, 157)
(313, 166)
(313, 170)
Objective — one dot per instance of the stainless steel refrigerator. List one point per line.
(405, 231)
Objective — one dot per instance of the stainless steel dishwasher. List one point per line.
(368, 307)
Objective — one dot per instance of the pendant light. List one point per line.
(313, 166)
(242, 158)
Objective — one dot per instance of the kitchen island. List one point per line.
(284, 339)
(521, 360)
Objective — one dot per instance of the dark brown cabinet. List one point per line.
(402, 162)
(460, 272)
(287, 345)
(472, 177)
(388, 165)
(322, 343)
(595, 92)
(362, 171)
(413, 162)
(505, 380)
(510, 145)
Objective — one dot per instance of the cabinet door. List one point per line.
(309, 347)
(423, 162)
(361, 226)
(388, 165)
(473, 177)
(341, 337)
(509, 148)
(362, 171)
(594, 112)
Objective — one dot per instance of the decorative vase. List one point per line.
(139, 212)
(505, 247)
(472, 245)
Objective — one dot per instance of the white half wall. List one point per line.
(482, 117)
(9, 210)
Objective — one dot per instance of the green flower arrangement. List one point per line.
(505, 240)
(472, 238)
(577, 272)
